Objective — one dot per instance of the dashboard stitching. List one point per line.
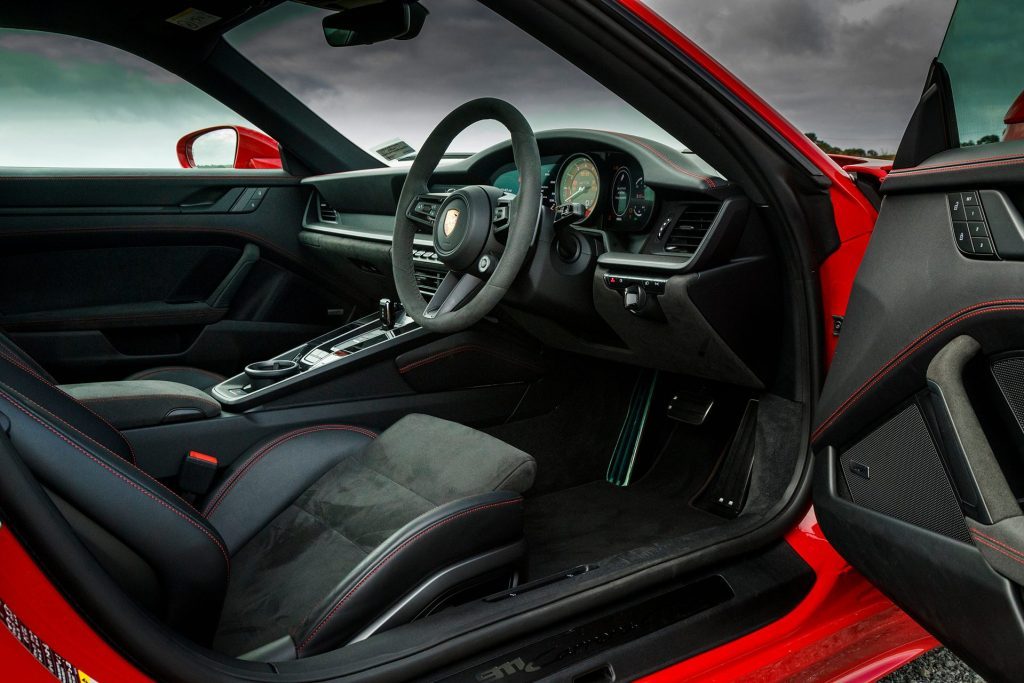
(959, 167)
(707, 180)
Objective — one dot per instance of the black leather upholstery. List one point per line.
(312, 536)
(270, 477)
(10, 349)
(432, 541)
(89, 464)
(383, 515)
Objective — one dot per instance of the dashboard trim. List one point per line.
(419, 241)
(665, 264)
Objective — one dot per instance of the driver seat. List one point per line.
(316, 538)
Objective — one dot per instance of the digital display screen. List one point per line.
(509, 180)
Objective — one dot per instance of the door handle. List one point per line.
(973, 464)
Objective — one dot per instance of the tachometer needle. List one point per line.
(582, 189)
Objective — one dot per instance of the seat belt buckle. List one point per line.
(197, 472)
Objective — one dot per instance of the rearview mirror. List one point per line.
(228, 147)
(373, 23)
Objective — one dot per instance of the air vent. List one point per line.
(691, 228)
(428, 281)
(326, 213)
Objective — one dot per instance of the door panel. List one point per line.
(919, 449)
(102, 275)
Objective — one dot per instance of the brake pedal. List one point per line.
(690, 406)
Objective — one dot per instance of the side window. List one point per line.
(73, 103)
(983, 57)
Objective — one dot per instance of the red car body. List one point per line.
(843, 630)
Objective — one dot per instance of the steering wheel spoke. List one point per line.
(423, 209)
(454, 290)
(502, 217)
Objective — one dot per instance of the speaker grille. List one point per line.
(897, 471)
(1009, 374)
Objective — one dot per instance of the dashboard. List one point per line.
(657, 237)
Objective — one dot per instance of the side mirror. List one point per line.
(228, 147)
(375, 22)
(1014, 120)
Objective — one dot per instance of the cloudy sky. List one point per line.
(849, 70)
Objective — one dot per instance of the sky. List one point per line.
(849, 70)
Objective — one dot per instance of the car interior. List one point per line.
(347, 415)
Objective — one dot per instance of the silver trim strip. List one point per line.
(419, 241)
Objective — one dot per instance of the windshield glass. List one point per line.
(398, 90)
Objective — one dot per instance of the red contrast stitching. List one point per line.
(975, 532)
(215, 502)
(119, 475)
(100, 446)
(964, 167)
(387, 558)
(941, 326)
(461, 349)
(997, 549)
(982, 161)
(699, 176)
(5, 353)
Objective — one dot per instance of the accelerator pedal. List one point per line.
(727, 492)
(620, 469)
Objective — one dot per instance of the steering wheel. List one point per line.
(481, 234)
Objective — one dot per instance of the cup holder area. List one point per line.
(266, 372)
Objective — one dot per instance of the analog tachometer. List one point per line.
(579, 183)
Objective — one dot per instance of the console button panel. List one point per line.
(651, 285)
(970, 227)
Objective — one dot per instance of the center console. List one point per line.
(337, 351)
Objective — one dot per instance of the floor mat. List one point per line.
(596, 520)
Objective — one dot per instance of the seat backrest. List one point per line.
(7, 345)
(87, 464)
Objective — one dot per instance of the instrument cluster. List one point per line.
(610, 187)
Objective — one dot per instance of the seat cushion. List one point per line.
(383, 518)
(193, 377)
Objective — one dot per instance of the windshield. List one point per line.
(396, 91)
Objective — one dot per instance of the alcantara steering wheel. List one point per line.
(481, 234)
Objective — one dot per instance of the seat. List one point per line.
(315, 538)
(193, 377)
